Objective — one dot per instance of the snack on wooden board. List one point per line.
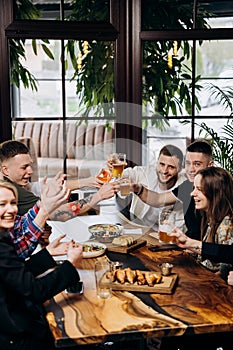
(124, 241)
(138, 277)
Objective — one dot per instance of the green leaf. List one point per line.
(34, 47)
(47, 51)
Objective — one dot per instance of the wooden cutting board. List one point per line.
(115, 248)
(165, 287)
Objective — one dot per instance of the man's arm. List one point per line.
(79, 207)
(153, 198)
(92, 182)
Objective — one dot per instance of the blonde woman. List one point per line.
(22, 321)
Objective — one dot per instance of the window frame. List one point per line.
(125, 29)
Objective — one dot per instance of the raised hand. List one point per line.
(53, 195)
(55, 184)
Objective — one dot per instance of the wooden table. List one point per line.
(200, 303)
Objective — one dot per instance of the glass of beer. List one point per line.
(104, 175)
(166, 225)
(118, 163)
(124, 186)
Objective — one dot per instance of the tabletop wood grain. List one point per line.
(200, 303)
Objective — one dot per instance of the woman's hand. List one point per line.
(74, 253)
(230, 278)
(57, 247)
(183, 241)
(179, 238)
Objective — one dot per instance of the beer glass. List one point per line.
(166, 225)
(118, 164)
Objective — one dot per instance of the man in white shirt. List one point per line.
(161, 177)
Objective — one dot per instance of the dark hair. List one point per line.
(200, 146)
(217, 186)
(11, 148)
(171, 150)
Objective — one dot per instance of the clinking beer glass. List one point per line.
(166, 224)
(118, 163)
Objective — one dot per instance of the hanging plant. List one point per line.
(166, 86)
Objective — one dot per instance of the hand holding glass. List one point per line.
(166, 225)
(118, 163)
(124, 186)
(104, 175)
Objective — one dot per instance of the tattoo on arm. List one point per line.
(71, 210)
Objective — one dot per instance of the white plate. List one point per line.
(94, 253)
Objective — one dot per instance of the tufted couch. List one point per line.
(88, 146)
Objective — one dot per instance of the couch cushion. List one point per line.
(87, 145)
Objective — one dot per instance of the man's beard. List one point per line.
(171, 181)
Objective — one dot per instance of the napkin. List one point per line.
(134, 231)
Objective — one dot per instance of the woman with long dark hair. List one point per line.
(213, 197)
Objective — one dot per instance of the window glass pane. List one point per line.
(79, 10)
(162, 90)
(220, 22)
(178, 14)
(173, 14)
(214, 62)
(179, 134)
(88, 80)
(167, 75)
(46, 100)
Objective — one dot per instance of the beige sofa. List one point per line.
(88, 146)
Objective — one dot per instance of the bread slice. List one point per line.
(124, 241)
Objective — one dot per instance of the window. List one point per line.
(130, 81)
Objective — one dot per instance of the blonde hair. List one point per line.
(11, 187)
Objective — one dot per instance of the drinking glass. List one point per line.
(124, 186)
(103, 278)
(166, 225)
(104, 175)
(118, 164)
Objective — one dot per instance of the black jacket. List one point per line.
(217, 252)
(22, 294)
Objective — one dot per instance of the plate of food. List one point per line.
(105, 233)
(131, 280)
(93, 249)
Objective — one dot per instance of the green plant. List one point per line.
(223, 96)
(222, 144)
(164, 89)
(24, 9)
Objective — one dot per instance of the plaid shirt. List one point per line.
(26, 233)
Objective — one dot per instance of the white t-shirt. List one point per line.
(149, 215)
